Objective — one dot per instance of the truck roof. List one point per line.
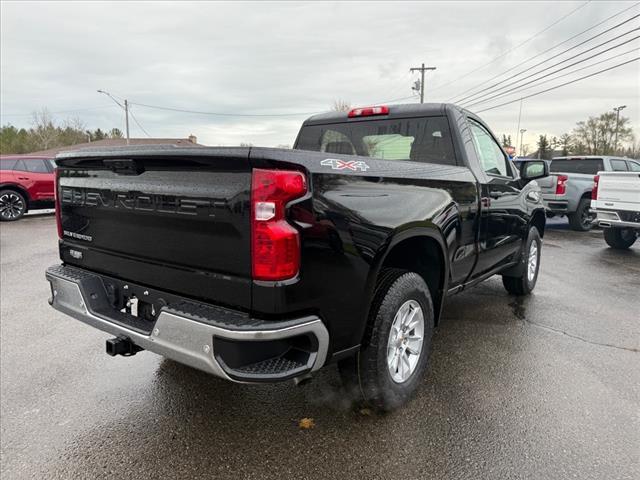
(395, 111)
(587, 157)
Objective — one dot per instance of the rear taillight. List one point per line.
(594, 192)
(56, 183)
(275, 244)
(561, 186)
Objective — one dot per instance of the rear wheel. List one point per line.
(524, 283)
(581, 219)
(390, 365)
(12, 205)
(620, 238)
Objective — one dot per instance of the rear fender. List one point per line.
(379, 261)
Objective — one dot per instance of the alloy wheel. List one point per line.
(532, 262)
(11, 206)
(405, 341)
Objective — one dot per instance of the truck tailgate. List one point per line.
(619, 190)
(173, 220)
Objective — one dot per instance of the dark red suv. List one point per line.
(25, 183)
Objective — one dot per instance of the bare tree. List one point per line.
(596, 136)
(341, 105)
(44, 131)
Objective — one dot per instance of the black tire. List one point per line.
(620, 238)
(580, 220)
(523, 284)
(367, 376)
(13, 205)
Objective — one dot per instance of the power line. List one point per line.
(223, 114)
(559, 76)
(501, 93)
(556, 46)
(551, 58)
(478, 95)
(559, 86)
(464, 75)
(138, 123)
(414, 96)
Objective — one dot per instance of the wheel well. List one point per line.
(19, 190)
(586, 195)
(423, 256)
(539, 220)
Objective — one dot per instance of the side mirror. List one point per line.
(533, 169)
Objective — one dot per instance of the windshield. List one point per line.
(424, 139)
(590, 166)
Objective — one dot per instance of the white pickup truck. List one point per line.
(616, 201)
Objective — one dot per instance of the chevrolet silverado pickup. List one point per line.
(264, 264)
(616, 202)
(567, 190)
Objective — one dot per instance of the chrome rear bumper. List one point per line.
(187, 332)
(611, 219)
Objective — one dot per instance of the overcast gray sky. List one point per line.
(286, 57)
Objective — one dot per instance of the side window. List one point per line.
(633, 166)
(36, 166)
(490, 154)
(7, 163)
(20, 166)
(618, 165)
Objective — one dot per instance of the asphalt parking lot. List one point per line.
(545, 387)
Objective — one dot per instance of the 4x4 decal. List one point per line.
(336, 164)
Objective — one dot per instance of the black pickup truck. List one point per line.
(263, 264)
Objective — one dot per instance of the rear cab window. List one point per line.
(588, 166)
(421, 139)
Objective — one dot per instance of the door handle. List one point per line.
(24, 178)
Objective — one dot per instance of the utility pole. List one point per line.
(126, 117)
(125, 107)
(617, 110)
(422, 69)
(522, 130)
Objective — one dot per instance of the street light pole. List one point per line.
(521, 136)
(125, 107)
(617, 110)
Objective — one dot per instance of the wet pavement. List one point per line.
(545, 387)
